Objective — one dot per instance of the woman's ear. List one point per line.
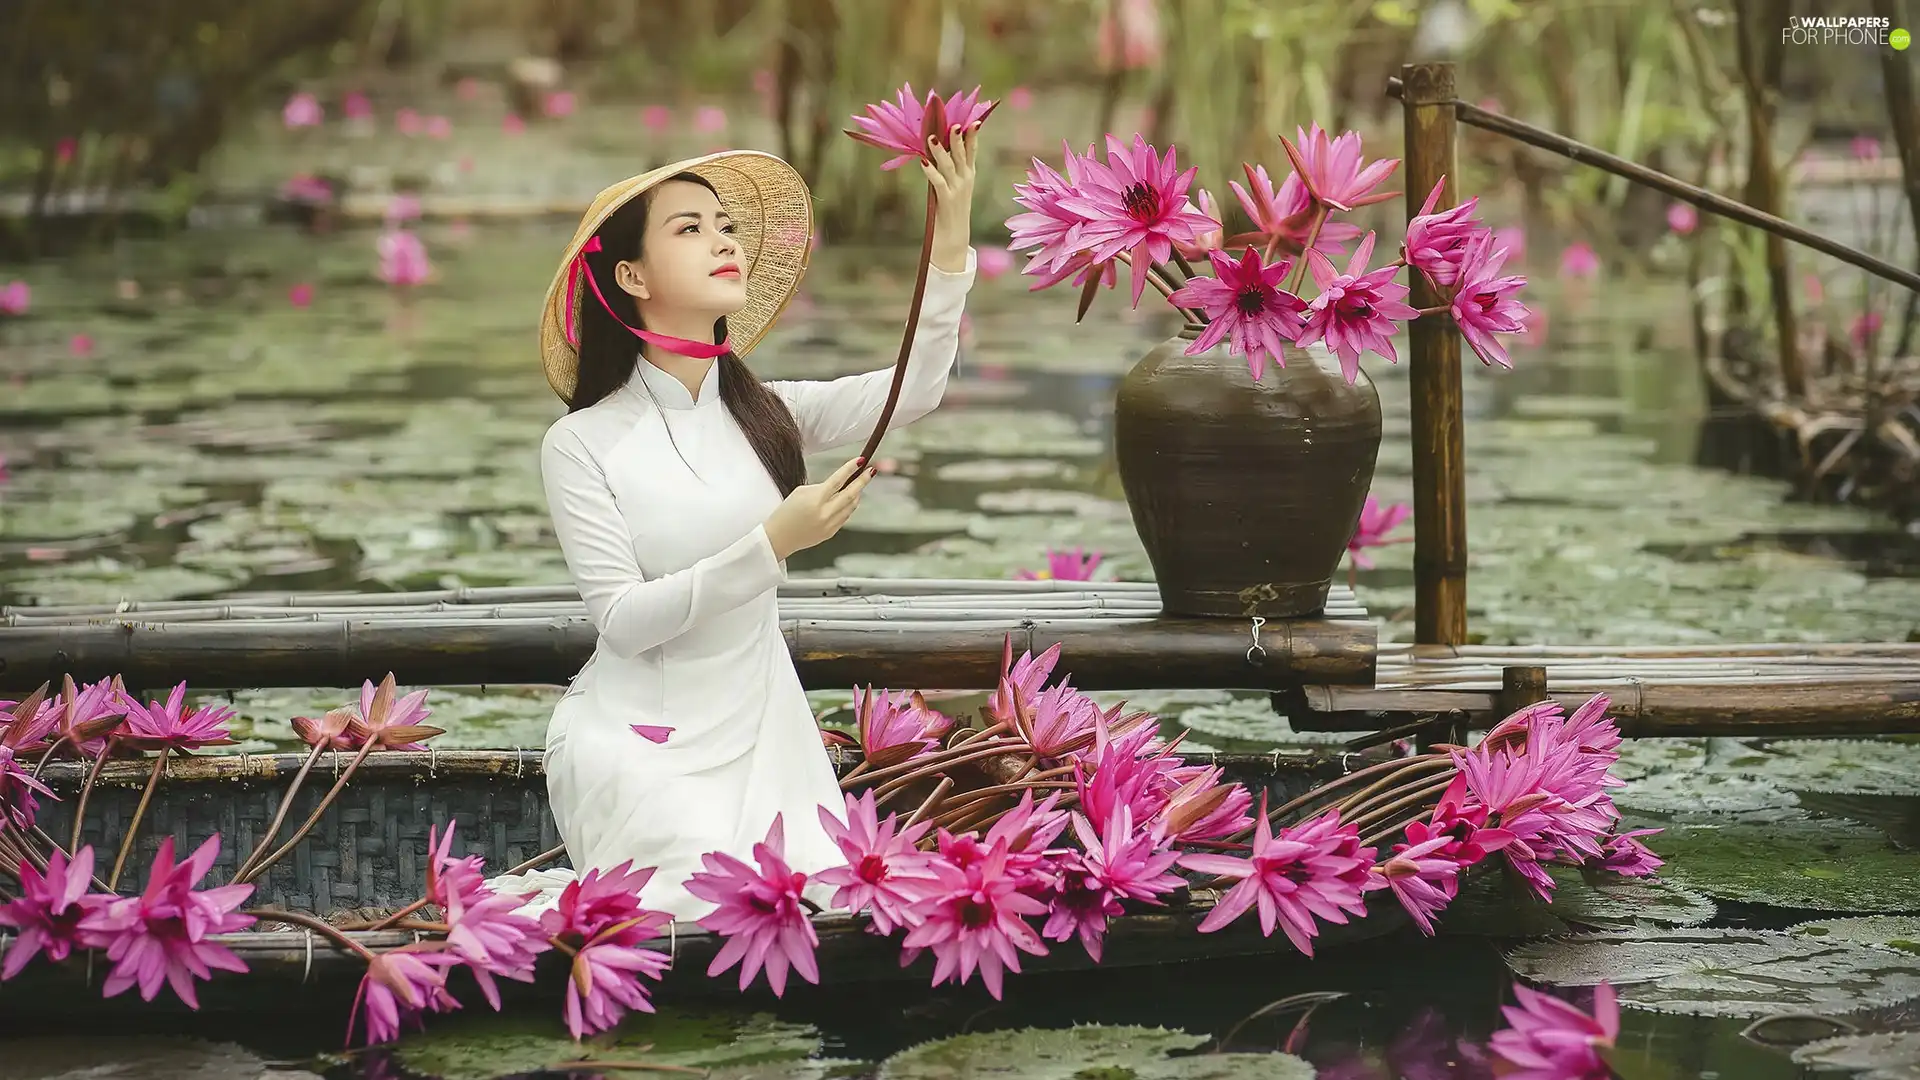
(627, 276)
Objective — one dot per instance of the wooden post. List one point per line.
(1439, 449)
(1521, 687)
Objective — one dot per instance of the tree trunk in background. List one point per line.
(1898, 77)
(1761, 59)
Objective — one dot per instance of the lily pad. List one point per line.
(1841, 766)
(480, 1047)
(1890, 1055)
(1820, 865)
(1725, 972)
(1705, 796)
(1084, 1053)
(1900, 932)
(1609, 901)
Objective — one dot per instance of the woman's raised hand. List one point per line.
(951, 174)
(816, 511)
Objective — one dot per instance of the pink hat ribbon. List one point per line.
(578, 269)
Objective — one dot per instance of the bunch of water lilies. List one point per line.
(1134, 208)
(975, 843)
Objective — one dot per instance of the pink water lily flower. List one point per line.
(600, 916)
(1625, 855)
(993, 262)
(439, 127)
(605, 984)
(656, 118)
(1048, 226)
(512, 124)
(18, 790)
(1136, 203)
(1485, 305)
(1864, 329)
(356, 106)
(407, 121)
(399, 986)
(1355, 311)
(885, 873)
(1283, 217)
(301, 295)
(1114, 864)
(483, 931)
(1375, 523)
(403, 258)
(302, 110)
(1212, 240)
(392, 721)
(174, 726)
(1437, 244)
(976, 920)
(1205, 807)
(161, 935)
(1579, 260)
(15, 298)
(80, 345)
(900, 125)
(333, 731)
(1422, 878)
(1020, 680)
(1076, 565)
(710, 119)
(1313, 870)
(897, 728)
(1865, 148)
(1682, 218)
(559, 103)
(1549, 1039)
(1334, 171)
(760, 913)
(47, 915)
(1246, 306)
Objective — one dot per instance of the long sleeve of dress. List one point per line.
(844, 410)
(634, 613)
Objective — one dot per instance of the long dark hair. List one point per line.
(608, 351)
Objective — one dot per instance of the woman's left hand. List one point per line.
(951, 174)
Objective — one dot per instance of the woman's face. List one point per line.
(690, 264)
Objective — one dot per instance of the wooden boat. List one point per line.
(369, 852)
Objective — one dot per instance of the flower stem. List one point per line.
(1371, 814)
(921, 767)
(945, 761)
(906, 338)
(320, 926)
(1366, 795)
(260, 867)
(48, 756)
(133, 827)
(80, 807)
(1330, 786)
(1186, 268)
(945, 785)
(1313, 237)
(389, 921)
(280, 815)
(854, 773)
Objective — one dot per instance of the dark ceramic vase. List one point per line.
(1245, 494)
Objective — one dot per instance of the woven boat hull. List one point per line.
(370, 849)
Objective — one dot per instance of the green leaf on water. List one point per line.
(1607, 901)
(1819, 865)
(1900, 932)
(1890, 1055)
(1084, 1053)
(1840, 766)
(478, 1046)
(1724, 972)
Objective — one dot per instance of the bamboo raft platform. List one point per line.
(1780, 690)
(931, 633)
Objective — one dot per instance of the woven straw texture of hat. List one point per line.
(772, 215)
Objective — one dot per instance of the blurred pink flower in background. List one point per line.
(1683, 218)
(402, 207)
(300, 295)
(1865, 148)
(764, 87)
(1578, 261)
(1816, 291)
(559, 103)
(407, 121)
(439, 127)
(993, 261)
(1514, 239)
(64, 150)
(1020, 99)
(511, 124)
(467, 88)
(403, 258)
(356, 106)
(460, 229)
(306, 188)
(302, 110)
(465, 164)
(1865, 328)
(656, 118)
(1076, 565)
(709, 119)
(1129, 35)
(15, 298)
(80, 345)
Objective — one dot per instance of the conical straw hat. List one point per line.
(772, 215)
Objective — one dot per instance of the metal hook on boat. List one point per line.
(1258, 622)
(520, 762)
(431, 760)
(307, 972)
(1344, 767)
(336, 763)
(673, 940)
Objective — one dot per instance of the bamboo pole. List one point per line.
(1760, 64)
(1439, 443)
(1711, 202)
(1897, 76)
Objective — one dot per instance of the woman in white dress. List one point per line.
(677, 486)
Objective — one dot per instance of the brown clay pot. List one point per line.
(1245, 494)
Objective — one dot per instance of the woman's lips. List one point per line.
(730, 271)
